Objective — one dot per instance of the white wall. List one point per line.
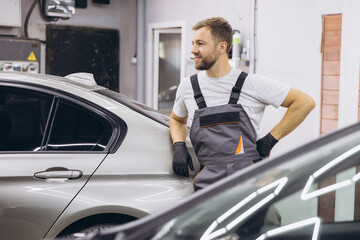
(237, 12)
(288, 49)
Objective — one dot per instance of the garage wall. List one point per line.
(289, 49)
(119, 15)
(237, 12)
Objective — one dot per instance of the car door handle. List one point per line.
(56, 173)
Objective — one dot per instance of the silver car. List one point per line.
(75, 156)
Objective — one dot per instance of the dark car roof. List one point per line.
(145, 228)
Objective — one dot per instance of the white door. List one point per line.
(166, 68)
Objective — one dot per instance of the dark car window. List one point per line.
(23, 117)
(77, 129)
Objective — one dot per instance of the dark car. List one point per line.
(277, 199)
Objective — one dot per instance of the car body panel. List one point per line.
(133, 195)
(136, 184)
(22, 196)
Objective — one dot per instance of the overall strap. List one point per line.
(235, 92)
(200, 101)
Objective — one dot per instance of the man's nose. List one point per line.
(194, 49)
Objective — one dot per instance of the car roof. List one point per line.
(74, 83)
(48, 81)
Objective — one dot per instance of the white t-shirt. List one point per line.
(256, 93)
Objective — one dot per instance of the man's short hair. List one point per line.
(220, 29)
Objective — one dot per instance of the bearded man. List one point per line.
(225, 107)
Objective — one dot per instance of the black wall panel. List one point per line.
(72, 49)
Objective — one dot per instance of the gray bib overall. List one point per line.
(223, 137)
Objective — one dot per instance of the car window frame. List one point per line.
(136, 106)
(119, 127)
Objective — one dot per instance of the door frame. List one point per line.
(152, 80)
(155, 77)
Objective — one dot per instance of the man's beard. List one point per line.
(207, 62)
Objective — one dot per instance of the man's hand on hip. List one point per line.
(265, 144)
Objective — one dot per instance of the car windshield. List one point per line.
(135, 105)
(256, 207)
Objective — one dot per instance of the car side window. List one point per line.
(23, 117)
(297, 216)
(76, 128)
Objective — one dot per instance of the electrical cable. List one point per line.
(42, 13)
(26, 23)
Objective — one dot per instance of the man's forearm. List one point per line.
(299, 106)
(178, 128)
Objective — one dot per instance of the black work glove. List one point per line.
(265, 144)
(181, 160)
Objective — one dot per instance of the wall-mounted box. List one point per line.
(59, 8)
(10, 13)
(19, 55)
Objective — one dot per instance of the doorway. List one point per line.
(167, 54)
(167, 68)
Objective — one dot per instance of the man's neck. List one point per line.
(219, 69)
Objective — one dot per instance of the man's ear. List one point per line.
(222, 47)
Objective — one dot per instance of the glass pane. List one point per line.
(77, 129)
(169, 70)
(23, 117)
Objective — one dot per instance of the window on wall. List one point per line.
(169, 69)
(166, 68)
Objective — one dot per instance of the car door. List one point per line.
(49, 147)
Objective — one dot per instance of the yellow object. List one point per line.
(31, 57)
